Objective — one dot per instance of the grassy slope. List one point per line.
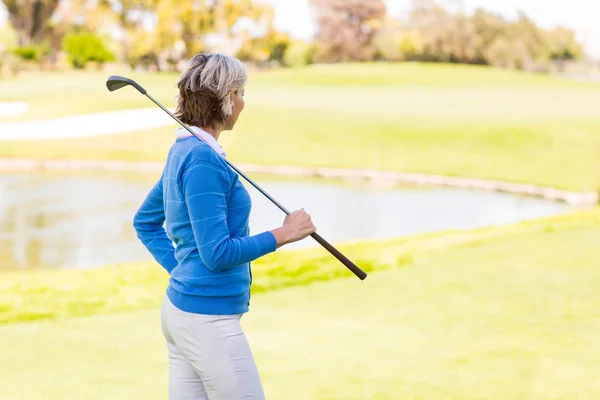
(50, 294)
(64, 93)
(451, 120)
(58, 94)
(513, 317)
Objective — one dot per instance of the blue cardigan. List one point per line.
(205, 243)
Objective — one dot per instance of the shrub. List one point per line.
(299, 54)
(29, 53)
(83, 48)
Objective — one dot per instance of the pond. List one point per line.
(50, 220)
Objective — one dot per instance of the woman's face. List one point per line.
(237, 98)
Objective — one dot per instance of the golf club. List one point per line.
(117, 82)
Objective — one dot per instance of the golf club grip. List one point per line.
(342, 258)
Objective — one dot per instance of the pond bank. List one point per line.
(575, 198)
(50, 294)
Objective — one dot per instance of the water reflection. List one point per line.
(66, 222)
(77, 221)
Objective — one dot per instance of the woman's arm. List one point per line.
(148, 224)
(206, 186)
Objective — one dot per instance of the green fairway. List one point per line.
(501, 313)
(64, 93)
(452, 120)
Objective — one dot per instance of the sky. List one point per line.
(583, 16)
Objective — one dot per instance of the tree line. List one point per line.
(162, 34)
(358, 30)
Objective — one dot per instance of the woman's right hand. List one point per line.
(296, 226)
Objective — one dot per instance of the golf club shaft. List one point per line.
(281, 207)
(335, 252)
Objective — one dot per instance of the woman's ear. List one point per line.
(227, 106)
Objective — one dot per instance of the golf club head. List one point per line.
(116, 82)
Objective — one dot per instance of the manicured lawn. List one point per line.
(500, 313)
(451, 120)
(64, 93)
(509, 312)
(56, 94)
(51, 294)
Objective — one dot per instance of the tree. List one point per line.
(221, 17)
(531, 38)
(270, 47)
(31, 19)
(182, 27)
(487, 38)
(85, 15)
(434, 23)
(347, 28)
(388, 40)
(564, 45)
(488, 27)
(505, 52)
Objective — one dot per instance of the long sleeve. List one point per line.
(206, 187)
(148, 224)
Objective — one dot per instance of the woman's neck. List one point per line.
(214, 132)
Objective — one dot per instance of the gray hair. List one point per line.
(205, 88)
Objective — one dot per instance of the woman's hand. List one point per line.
(296, 226)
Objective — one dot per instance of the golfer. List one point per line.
(205, 244)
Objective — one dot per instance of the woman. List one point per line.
(205, 243)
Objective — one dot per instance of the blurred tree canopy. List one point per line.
(31, 18)
(181, 27)
(268, 47)
(347, 28)
(361, 31)
(163, 34)
(154, 33)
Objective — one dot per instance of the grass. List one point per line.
(500, 313)
(440, 119)
(506, 312)
(85, 91)
(55, 294)
(64, 93)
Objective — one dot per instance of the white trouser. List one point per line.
(209, 357)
